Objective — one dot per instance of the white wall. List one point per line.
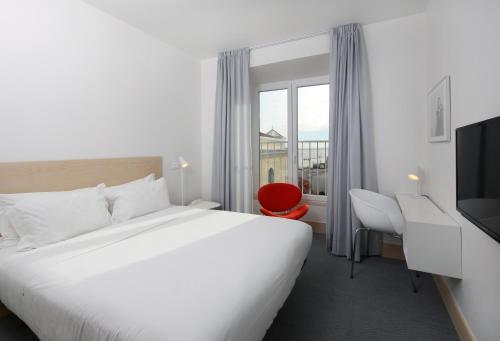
(208, 85)
(397, 58)
(397, 61)
(78, 83)
(464, 43)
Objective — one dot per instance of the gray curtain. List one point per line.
(232, 167)
(351, 158)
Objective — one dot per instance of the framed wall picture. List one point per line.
(438, 111)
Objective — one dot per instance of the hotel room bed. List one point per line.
(177, 274)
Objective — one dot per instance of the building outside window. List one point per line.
(270, 176)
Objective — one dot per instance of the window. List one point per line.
(273, 142)
(294, 126)
(312, 133)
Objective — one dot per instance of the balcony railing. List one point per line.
(312, 167)
(312, 164)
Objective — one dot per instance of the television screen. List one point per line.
(478, 174)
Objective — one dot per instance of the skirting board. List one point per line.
(393, 251)
(3, 310)
(317, 227)
(457, 317)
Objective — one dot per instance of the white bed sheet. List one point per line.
(178, 274)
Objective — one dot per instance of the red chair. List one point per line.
(279, 200)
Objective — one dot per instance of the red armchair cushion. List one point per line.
(279, 197)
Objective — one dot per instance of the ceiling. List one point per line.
(205, 27)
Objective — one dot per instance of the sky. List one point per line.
(312, 104)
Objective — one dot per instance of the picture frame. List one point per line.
(438, 112)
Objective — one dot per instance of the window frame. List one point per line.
(292, 87)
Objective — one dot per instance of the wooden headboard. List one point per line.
(44, 176)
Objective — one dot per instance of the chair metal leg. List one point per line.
(413, 285)
(353, 250)
(417, 274)
(368, 243)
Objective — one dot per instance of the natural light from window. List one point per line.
(312, 132)
(273, 136)
(308, 136)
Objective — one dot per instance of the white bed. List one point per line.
(178, 274)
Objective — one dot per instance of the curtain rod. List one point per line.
(320, 33)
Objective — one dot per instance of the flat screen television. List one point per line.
(478, 174)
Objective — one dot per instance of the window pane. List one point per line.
(273, 136)
(312, 129)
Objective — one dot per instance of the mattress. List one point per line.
(177, 274)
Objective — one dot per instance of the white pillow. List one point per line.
(9, 236)
(7, 233)
(111, 191)
(44, 219)
(139, 200)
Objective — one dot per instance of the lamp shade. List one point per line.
(413, 177)
(183, 163)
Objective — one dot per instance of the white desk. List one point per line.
(432, 241)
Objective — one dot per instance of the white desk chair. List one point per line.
(378, 213)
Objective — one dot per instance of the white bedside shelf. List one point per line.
(204, 204)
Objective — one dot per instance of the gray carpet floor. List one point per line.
(325, 304)
(377, 304)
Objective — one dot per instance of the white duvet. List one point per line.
(178, 274)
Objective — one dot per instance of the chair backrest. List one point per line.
(279, 197)
(376, 211)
